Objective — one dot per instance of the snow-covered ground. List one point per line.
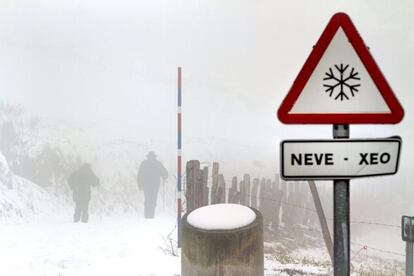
(130, 245)
(126, 245)
(38, 237)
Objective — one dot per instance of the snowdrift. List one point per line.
(21, 199)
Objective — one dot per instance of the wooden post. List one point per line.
(242, 193)
(276, 203)
(284, 199)
(221, 190)
(205, 187)
(192, 179)
(233, 191)
(299, 212)
(277, 182)
(254, 195)
(246, 180)
(199, 190)
(265, 202)
(262, 195)
(278, 208)
(233, 252)
(301, 200)
(214, 186)
(237, 195)
(268, 213)
(307, 218)
(289, 211)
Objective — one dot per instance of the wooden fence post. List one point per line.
(276, 203)
(214, 186)
(242, 187)
(242, 192)
(284, 199)
(289, 210)
(300, 200)
(246, 180)
(233, 192)
(254, 196)
(269, 205)
(192, 181)
(265, 207)
(221, 190)
(205, 192)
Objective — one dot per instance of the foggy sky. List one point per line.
(110, 66)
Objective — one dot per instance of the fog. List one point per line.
(98, 80)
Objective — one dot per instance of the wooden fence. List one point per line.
(277, 201)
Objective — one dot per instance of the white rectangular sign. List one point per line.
(339, 159)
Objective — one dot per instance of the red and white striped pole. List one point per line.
(179, 204)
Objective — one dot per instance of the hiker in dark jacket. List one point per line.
(80, 181)
(149, 175)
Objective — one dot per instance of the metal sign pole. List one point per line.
(341, 216)
(409, 258)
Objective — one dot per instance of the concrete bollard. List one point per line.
(212, 246)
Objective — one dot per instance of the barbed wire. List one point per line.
(352, 242)
(378, 249)
(313, 210)
(320, 232)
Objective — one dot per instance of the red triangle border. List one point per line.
(341, 20)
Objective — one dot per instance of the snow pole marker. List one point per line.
(179, 207)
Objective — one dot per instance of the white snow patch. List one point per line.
(22, 200)
(221, 217)
(127, 245)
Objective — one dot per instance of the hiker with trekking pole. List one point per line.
(150, 173)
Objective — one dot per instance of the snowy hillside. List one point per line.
(22, 200)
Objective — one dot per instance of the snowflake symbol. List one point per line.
(343, 86)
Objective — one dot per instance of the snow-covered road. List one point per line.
(107, 246)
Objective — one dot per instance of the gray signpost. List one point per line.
(341, 215)
(340, 84)
(407, 234)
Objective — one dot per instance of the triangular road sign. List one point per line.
(340, 83)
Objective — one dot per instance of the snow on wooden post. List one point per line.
(222, 240)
